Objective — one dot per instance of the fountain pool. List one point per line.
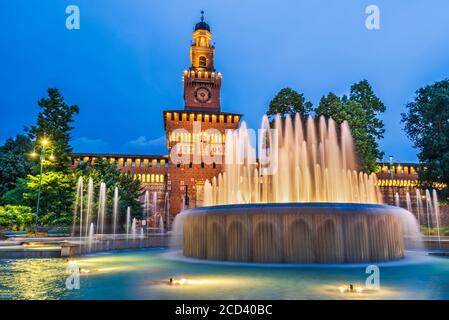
(144, 274)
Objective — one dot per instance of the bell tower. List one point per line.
(201, 82)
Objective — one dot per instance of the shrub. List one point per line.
(16, 217)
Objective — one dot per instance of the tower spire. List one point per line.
(202, 15)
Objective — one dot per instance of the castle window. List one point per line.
(190, 165)
(202, 62)
(202, 164)
(214, 165)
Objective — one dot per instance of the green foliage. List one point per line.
(361, 111)
(54, 122)
(444, 231)
(15, 196)
(331, 106)
(129, 188)
(427, 125)
(57, 196)
(289, 102)
(15, 162)
(363, 93)
(16, 217)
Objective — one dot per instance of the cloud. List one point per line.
(85, 144)
(142, 141)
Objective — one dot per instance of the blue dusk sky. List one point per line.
(124, 66)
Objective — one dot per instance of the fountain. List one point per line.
(408, 201)
(154, 202)
(397, 201)
(419, 206)
(90, 238)
(128, 221)
(161, 225)
(115, 211)
(133, 229)
(101, 208)
(89, 209)
(79, 199)
(436, 210)
(303, 202)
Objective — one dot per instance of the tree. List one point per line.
(16, 217)
(360, 110)
(289, 102)
(15, 162)
(15, 196)
(57, 196)
(331, 106)
(54, 122)
(427, 125)
(363, 93)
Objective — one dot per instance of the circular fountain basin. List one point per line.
(294, 233)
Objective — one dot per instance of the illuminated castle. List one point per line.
(200, 126)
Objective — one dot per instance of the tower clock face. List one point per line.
(203, 94)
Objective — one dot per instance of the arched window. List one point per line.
(202, 61)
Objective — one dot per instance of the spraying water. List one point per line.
(397, 202)
(101, 208)
(128, 221)
(78, 206)
(91, 236)
(436, 210)
(161, 225)
(89, 209)
(419, 205)
(133, 229)
(115, 211)
(408, 202)
(296, 164)
(429, 209)
(167, 207)
(146, 204)
(154, 202)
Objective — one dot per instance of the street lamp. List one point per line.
(43, 146)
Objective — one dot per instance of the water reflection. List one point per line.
(32, 279)
(145, 274)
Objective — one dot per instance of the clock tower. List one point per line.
(201, 82)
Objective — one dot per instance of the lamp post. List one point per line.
(42, 158)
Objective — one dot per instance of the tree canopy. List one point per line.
(54, 122)
(427, 125)
(15, 161)
(19, 182)
(289, 102)
(361, 110)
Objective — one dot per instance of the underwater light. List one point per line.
(184, 281)
(350, 289)
(181, 281)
